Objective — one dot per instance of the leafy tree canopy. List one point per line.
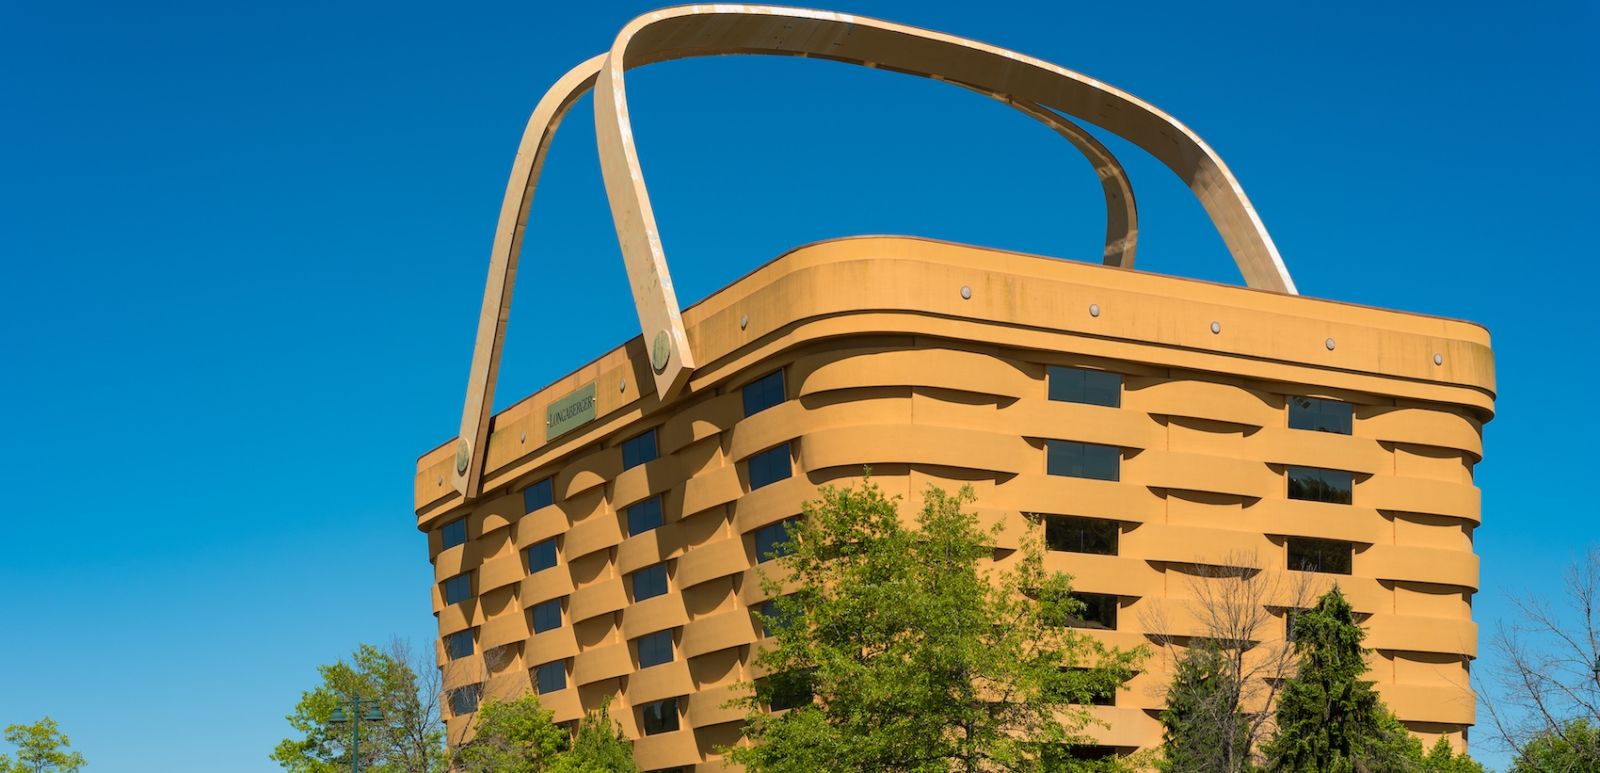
(409, 738)
(41, 748)
(519, 736)
(1575, 748)
(915, 650)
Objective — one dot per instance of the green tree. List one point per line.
(600, 747)
(1442, 759)
(41, 748)
(516, 736)
(1329, 719)
(912, 650)
(1574, 749)
(1204, 730)
(409, 738)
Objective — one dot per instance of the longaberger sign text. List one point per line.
(565, 414)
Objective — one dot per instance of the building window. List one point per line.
(772, 619)
(550, 677)
(453, 533)
(547, 616)
(541, 494)
(659, 717)
(1320, 415)
(458, 588)
(763, 393)
(789, 690)
(1290, 617)
(538, 495)
(1314, 484)
(649, 582)
(1081, 385)
(1098, 694)
(458, 645)
(772, 541)
(1081, 535)
(1320, 555)
(654, 649)
(769, 466)
(644, 516)
(542, 556)
(1099, 612)
(639, 449)
(1084, 751)
(464, 700)
(1083, 460)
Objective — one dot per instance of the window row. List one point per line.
(1099, 387)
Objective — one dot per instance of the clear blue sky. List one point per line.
(244, 246)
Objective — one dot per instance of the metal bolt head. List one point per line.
(744, 321)
(660, 351)
(1438, 359)
(522, 437)
(1328, 343)
(966, 293)
(1094, 309)
(1216, 327)
(463, 456)
(622, 385)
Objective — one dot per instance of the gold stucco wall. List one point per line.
(887, 364)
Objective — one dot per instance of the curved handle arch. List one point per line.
(712, 30)
(1120, 243)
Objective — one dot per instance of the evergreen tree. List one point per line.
(1442, 759)
(1329, 719)
(41, 748)
(907, 650)
(1204, 731)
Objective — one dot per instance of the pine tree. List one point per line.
(1204, 731)
(1329, 719)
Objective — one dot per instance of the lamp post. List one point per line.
(360, 708)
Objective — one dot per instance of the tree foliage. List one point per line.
(1546, 703)
(1202, 699)
(1329, 719)
(1575, 749)
(40, 748)
(600, 747)
(409, 738)
(918, 652)
(520, 736)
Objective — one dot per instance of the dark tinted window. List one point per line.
(541, 494)
(1320, 555)
(1081, 535)
(453, 533)
(458, 645)
(1101, 692)
(1320, 415)
(551, 677)
(1083, 460)
(659, 717)
(1079, 385)
(1092, 752)
(458, 588)
(649, 582)
(464, 700)
(655, 649)
(1314, 484)
(547, 616)
(638, 449)
(763, 393)
(542, 555)
(770, 466)
(789, 690)
(1099, 611)
(772, 541)
(644, 516)
(771, 618)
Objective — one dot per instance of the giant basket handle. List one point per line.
(1036, 87)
